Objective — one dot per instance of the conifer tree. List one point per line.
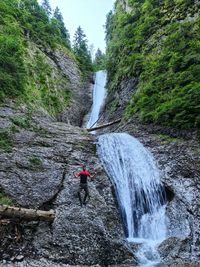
(98, 56)
(99, 60)
(81, 50)
(64, 32)
(109, 26)
(80, 41)
(46, 6)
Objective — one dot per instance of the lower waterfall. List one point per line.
(140, 195)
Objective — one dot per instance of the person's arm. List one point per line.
(92, 175)
(76, 174)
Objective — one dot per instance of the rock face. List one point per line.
(37, 171)
(65, 71)
(177, 155)
(125, 5)
(177, 152)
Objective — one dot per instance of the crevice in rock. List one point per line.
(49, 204)
(169, 193)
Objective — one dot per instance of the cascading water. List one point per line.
(140, 194)
(99, 93)
(136, 180)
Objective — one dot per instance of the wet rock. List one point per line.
(172, 251)
(177, 154)
(19, 258)
(38, 172)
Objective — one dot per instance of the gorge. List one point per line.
(145, 198)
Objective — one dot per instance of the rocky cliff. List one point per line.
(37, 168)
(41, 146)
(153, 62)
(151, 82)
(55, 83)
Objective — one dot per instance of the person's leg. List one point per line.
(79, 194)
(87, 195)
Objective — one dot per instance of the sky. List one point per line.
(89, 14)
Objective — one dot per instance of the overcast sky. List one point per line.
(89, 14)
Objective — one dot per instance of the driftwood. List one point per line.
(103, 125)
(26, 214)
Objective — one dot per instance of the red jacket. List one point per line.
(83, 176)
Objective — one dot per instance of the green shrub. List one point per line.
(35, 162)
(4, 199)
(21, 121)
(12, 72)
(5, 140)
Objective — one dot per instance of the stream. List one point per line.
(136, 180)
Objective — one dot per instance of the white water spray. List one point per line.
(140, 194)
(99, 93)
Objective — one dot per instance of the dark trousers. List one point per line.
(85, 188)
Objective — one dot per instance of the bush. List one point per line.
(5, 140)
(12, 72)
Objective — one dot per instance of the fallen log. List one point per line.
(103, 125)
(26, 214)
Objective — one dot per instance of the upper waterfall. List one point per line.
(99, 93)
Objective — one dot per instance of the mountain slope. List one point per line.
(153, 61)
(38, 67)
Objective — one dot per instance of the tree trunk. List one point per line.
(103, 125)
(26, 214)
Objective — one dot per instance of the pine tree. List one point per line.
(80, 41)
(61, 25)
(109, 26)
(81, 50)
(98, 56)
(99, 60)
(46, 6)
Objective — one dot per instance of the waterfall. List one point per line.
(136, 179)
(99, 93)
(140, 195)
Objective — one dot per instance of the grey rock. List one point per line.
(81, 101)
(172, 253)
(39, 173)
(177, 154)
(19, 257)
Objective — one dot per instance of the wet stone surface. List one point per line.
(37, 172)
(177, 155)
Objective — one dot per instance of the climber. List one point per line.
(83, 184)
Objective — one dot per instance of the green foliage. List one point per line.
(166, 139)
(21, 121)
(22, 20)
(37, 24)
(4, 199)
(35, 162)
(12, 72)
(61, 26)
(99, 61)
(26, 30)
(5, 140)
(43, 87)
(163, 54)
(82, 52)
(47, 8)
